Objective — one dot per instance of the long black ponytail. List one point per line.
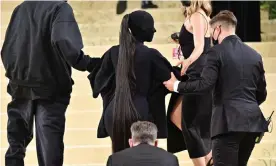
(124, 113)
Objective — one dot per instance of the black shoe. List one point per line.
(121, 7)
(148, 5)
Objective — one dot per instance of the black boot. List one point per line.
(148, 5)
(121, 7)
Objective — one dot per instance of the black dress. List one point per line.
(151, 69)
(196, 109)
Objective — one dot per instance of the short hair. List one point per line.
(226, 18)
(144, 132)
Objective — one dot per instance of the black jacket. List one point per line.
(236, 72)
(42, 42)
(143, 155)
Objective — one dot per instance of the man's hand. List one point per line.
(170, 83)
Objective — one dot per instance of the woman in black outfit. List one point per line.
(130, 81)
(189, 116)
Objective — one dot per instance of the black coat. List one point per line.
(151, 69)
(236, 73)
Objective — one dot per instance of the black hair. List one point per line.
(125, 112)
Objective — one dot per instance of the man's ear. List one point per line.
(156, 143)
(130, 141)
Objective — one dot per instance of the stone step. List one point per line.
(110, 6)
(157, 40)
(82, 86)
(90, 31)
(99, 34)
(105, 17)
(77, 102)
(268, 37)
(97, 5)
(264, 14)
(88, 137)
(103, 41)
(89, 105)
(82, 89)
(90, 116)
(268, 26)
(266, 49)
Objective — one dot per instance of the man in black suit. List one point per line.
(235, 72)
(143, 149)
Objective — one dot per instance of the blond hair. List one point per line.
(205, 5)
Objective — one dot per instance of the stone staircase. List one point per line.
(100, 30)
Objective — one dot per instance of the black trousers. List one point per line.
(49, 119)
(233, 149)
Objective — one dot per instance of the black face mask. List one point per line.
(146, 35)
(215, 41)
(186, 3)
(141, 24)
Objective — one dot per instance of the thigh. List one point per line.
(20, 121)
(176, 113)
(246, 146)
(226, 149)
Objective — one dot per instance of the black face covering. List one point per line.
(215, 41)
(186, 3)
(141, 24)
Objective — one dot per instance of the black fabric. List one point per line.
(42, 42)
(141, 24)
(49, 119)
(236, 96)
(151, 69)
(248, 15)
(143, 155)
(186, 3)
(233, 148)
(196, 109)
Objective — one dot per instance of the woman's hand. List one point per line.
(185, 65)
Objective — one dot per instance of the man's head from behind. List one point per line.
(143, 132)
(223, 25)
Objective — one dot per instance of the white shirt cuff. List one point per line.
(175, 86)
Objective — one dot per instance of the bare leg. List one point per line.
(203, 161)
(199, 161)
(208, 158)
(176, 114)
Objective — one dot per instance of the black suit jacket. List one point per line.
(143, 155)
(236, 73)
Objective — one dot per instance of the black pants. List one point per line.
(50, 123)
(233, 149)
